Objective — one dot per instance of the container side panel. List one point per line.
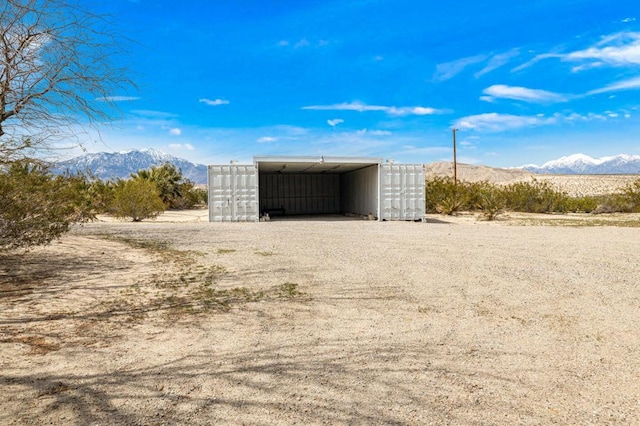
(359, 191)
(233, 193)
(402, 192)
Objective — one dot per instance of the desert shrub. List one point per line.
(37, 207)
(535, 197)
(614, 203)
(435, 190)
(102, 193)
(443, 196)
(137, 199)
(200, 196)
(453, 202)
(584, 204)
(631, 194)
(490, 200)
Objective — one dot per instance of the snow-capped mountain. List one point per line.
(110, 165)
(583, 164)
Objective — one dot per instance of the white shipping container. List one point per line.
(316, 185)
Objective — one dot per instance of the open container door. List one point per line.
(401, 192)
(233, 193)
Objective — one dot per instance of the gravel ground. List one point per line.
(453, 321)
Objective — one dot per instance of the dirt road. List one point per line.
(324, 322)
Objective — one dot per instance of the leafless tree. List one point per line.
(56, 73)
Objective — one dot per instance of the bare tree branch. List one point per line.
(56, 72)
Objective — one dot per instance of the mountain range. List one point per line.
(111, 165)
(581, 164)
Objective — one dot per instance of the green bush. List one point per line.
(491, 201)
(535, 197)
(632, 195)
(37, 207)
(582, 204)
(137, 199)
(443, 196)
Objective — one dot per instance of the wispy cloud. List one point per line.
(521, 94)
(213, 102)
(497, 61)
(617, 50)
(494, 122)
(302, 43)
(630, 84)
(373, 132)
(266, 139)
(180, 146)
(334, 122)
(448, 70)
(418, 110)
(117, 98)
(175, 131)
(147, 113)
(361, 107)
(347, 106)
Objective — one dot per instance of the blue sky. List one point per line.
(524, 82)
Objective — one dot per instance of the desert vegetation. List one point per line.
(443, 195)
(38, 207)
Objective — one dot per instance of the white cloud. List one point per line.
(617, 50)
(630, 84)
(412, 111)
(175, 131)
(117, 98)
(215, 102)
(490, 99)
(627, 20)
(448, 70)
(154, 114)
(494, 122)
(335, 122)
(350, 106)
(301, 43)
(373, 132)
(523, 94)
(361, 107)
(497, 61)
(267, 139)
(186, 146)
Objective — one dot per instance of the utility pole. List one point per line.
(455, 163)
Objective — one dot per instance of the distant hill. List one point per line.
(476, 173)
(111, 165)
(586, 165)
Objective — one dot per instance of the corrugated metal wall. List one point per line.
(300, 193)
(233, 193)
(389, 191)
(402, 192)
(359, 191)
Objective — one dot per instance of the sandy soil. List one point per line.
(454, 321)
